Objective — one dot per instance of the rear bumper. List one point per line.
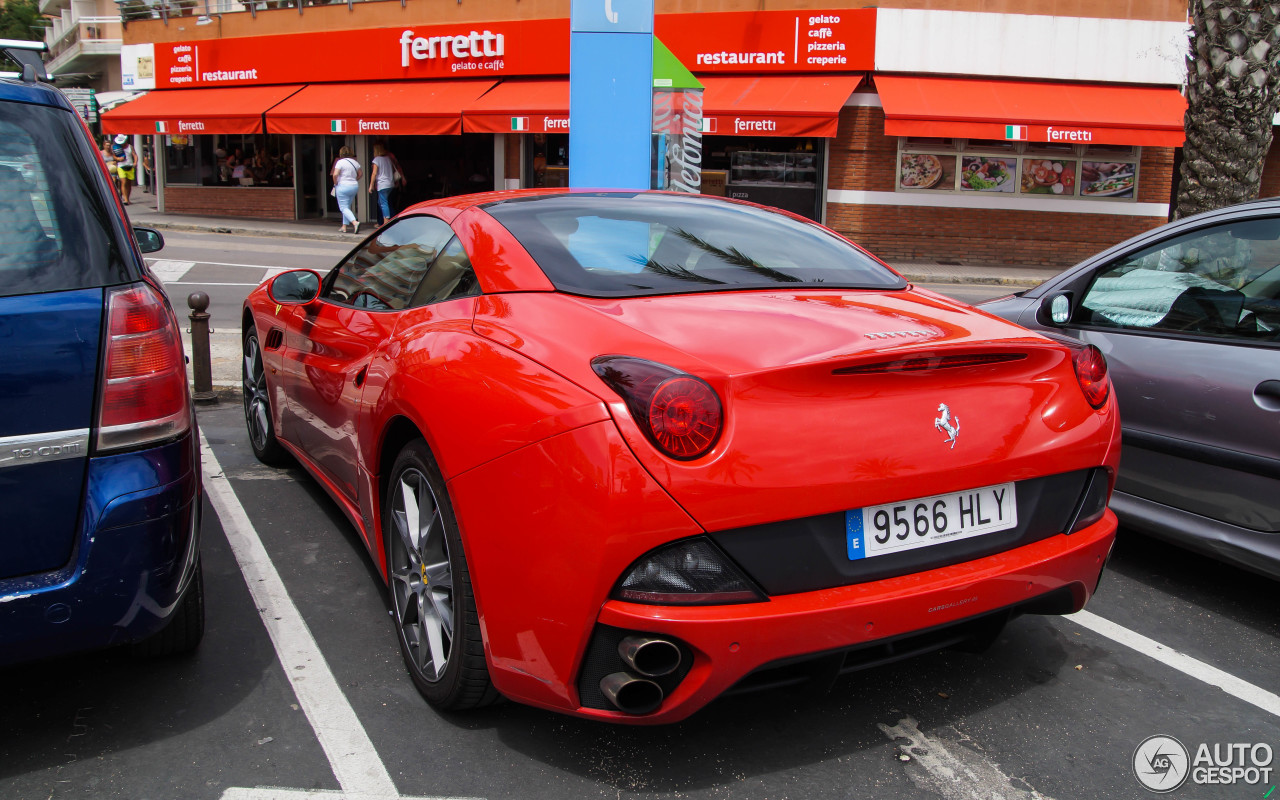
(133, 561)
(729, 643)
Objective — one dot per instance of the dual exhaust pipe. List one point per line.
(633, 691)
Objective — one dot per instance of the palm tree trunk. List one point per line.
(1233, 90)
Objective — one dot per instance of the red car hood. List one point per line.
(800, 438)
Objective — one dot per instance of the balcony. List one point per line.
(82, 45)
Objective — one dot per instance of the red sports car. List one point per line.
(618, 453)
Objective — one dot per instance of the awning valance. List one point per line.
(775, 105)
(770, 105)
(526, 106)
(409, 108)
(1037, 111)
(237, 109)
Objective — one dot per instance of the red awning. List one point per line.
(1037, 111)
(775, 105)
(232, 109)
(411, 108)
(772, 105)
(534, 106)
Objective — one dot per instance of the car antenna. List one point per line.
(27, 55)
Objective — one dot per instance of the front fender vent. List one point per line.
(274, 339)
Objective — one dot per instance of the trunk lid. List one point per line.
(49, 363)
(833, 400)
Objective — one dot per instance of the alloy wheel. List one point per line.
(257, 411)
(422, 580)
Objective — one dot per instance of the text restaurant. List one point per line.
(795, 115)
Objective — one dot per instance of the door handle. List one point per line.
(1267, 395)
(360, 376)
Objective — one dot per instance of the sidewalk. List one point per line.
(142, 211)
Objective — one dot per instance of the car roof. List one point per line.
(17, 91)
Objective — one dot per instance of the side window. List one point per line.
(383, 274)
(1222, 282)
(450, 277)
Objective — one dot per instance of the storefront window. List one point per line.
(775, 171)
(229, 160)
(1019, 168)
(547, 160)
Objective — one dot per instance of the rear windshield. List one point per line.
(620, 245)
(54, 230)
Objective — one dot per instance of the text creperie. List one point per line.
(484, 44)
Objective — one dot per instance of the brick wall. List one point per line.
(265, 202)
(864, 159)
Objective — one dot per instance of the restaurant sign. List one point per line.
(732, 42)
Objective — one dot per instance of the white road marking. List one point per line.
(1236, 687)
(355, 762)
(171, 271)
(209, 283)
(273, 793)
(956, 772)
(266, 266)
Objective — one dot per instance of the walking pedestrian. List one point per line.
(346, 183)
(109, 159)
(126, 165)
(382, 181)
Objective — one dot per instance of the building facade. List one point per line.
(929, 131)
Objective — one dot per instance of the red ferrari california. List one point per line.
(618, 454)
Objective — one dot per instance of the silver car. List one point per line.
(1188, 316)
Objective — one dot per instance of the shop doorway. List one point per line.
(440, 166)
(313, 159)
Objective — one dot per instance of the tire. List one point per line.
(257, 405)
(185, 629)
(432, 603)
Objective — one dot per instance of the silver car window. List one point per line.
(1221, 281)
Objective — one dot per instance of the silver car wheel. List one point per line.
(422, 581)
(257, 411)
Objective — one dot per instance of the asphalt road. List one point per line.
(302, 688)
(1053, 710)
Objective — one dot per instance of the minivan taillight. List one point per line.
(144, 393)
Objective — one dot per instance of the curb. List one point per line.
(234, 231)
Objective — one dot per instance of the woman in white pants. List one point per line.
(346, 183)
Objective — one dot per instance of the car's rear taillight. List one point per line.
(144, 393)
(679, 413)
(1091, 372)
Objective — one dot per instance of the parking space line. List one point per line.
(1236, 687)
(351, 754)
(956, 772)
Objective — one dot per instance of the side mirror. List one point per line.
(1055, 310)
(296, 287)
(149, 239)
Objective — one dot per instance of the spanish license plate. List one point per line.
(926, 521)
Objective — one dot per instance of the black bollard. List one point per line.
(201, 364)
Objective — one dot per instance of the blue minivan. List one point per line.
(100, 487)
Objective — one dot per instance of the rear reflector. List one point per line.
(144, 394)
